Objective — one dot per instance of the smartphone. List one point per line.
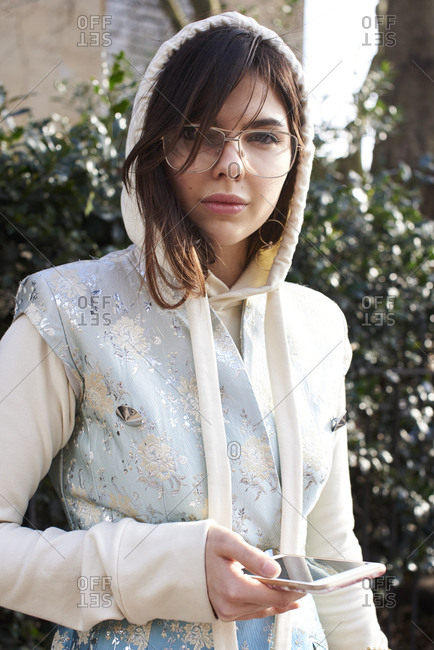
(319, 575)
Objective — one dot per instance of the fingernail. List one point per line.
(270, 569)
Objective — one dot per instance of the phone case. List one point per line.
(345, 578)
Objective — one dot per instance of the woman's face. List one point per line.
(227, 207)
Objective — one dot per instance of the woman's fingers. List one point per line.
(232, 546)
(271, 611)
(234, 595)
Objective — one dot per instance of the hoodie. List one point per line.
(140, 410)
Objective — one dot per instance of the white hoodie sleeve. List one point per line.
(78, 578)
(348, 615)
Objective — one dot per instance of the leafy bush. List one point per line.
(367, 246)
(59, 182)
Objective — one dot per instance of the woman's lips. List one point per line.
(224, 203)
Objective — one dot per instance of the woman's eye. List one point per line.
(189, 133)
(262, 137)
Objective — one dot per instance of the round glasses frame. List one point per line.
(298, 147)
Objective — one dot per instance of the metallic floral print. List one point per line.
(124, 350)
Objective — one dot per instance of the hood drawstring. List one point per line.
(215, 443)
(211, 415)
(289, 440)
(213, 435)
(288, 433)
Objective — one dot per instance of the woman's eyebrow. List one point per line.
(267, 121)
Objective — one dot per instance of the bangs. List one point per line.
(196, 81)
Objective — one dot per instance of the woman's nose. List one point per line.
(229, 163)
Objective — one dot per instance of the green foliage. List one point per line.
(59, 182)
(364, 244)
(367, 246)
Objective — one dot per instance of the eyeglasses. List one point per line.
(263, 152)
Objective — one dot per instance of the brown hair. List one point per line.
(192, 87)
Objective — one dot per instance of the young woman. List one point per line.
(186, 400)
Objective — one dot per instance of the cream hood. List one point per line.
(253, 281)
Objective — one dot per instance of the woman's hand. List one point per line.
(234, 595)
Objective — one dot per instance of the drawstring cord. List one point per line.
(214, 437)
(215, 445)
(290, 452)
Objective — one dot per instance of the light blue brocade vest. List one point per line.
(124, 350)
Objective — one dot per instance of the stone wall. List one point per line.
(47, 40)
(43, 41)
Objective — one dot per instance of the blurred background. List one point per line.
(68, 74)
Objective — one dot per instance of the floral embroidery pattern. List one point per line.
(136, 636)
(159, 462)
(240, 518)
(83, 637)
(128, 338)
(189, 396)
(257, 466)
(198, 636)
(59, 640)
(97, 393)
(122, 503)
(312, 476)
(82, 508)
